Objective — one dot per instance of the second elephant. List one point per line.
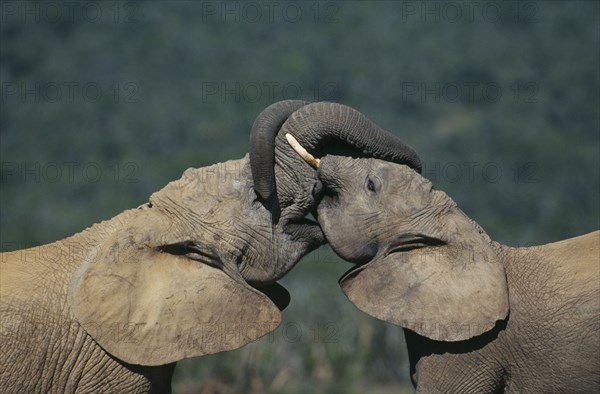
(478, 316)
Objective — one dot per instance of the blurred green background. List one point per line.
(103, 103)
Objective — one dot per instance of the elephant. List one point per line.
(192, 272)
(478, 316)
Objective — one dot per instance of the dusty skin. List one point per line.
(113, 307)
(478, 316)
(191, 272)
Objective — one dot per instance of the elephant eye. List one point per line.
(370, 185)
(193, 251)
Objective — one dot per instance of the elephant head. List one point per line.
(287, 185)
(189, 273)
(421, 262)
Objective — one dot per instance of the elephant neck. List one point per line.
(533, 270)
(516, 262)
(35, 312)
(525, 268)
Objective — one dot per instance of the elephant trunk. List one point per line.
(315, 126)
(262, 143)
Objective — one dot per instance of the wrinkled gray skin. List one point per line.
(285, 183)
(114, 307)
(478, 316)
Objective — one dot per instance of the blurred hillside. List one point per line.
(103, 103)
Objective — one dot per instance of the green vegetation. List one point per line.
(100, 110)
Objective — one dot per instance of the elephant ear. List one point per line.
(443, 293)
(148, 307)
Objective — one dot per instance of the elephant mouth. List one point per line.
(403, 244)
(305, 221)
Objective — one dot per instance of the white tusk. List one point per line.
(310, 159)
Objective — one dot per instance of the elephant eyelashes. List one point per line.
(193, 251)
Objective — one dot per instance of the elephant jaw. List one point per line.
(404, 244)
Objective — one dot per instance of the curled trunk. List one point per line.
(321, 128)
(262, 143)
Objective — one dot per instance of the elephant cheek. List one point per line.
(332, 227)
(348, 240)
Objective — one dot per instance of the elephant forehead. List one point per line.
(401, 175)
(205, 189)
(229, 177)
